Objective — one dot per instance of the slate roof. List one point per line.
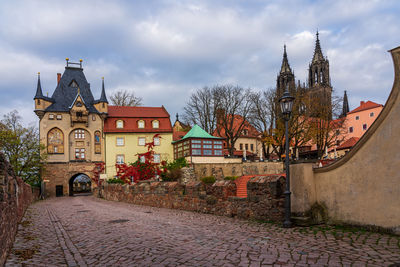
(64, 95)
(39, 92)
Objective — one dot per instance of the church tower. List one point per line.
(285, 78)
(319, 83)
(345, 107)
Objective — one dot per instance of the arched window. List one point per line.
(55, 141)
(156, 124)
(97, 142)
(316, 76)
(141, 124)
(120, 124)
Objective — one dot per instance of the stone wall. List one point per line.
(363, 187)
(15, 197)
(220, 170)
(264, 202)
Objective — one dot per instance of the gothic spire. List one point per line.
(103, 97)
(285, 68)
(318, 56)
(345, 108)
(39, 93)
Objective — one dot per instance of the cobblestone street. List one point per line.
(85, 231)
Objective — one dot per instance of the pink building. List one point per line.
(361, 118)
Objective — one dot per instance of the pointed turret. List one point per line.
(345, 108)
(285, 68)
(103, 97)
(318, 56)
(39, 93)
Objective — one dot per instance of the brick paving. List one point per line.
(86, 231)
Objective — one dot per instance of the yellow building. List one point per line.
(128, 129)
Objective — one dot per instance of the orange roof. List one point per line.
(131, 115)
(252, 131)
(365, 106)
(177, 135)
(349, 143)
(137, 112)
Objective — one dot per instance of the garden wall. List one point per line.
(15, 197)
(264, 202)
(220, 170)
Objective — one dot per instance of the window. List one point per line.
(73, 84)
(207, 146)
(207, 142)
(55, 141)
(371, 114)
(59, 117)
(156, 141)
(217, 146)
(196, 141)
(364, 126)
(79, 104)
(51, 116)
(207, 152)
(38, 101)
(79, 114)
(196, 146)
(350, 129)
(218, 142)
(196, 151)
(217, 152)
(120, 141)
(252, 147)
(241, 146)
(142, 159)
(120, 124)
(246, 146)
(93, 117)
(141, 124)
(120, 159)
(357, 118)
(156, 124)
(79, 134)
(142, 141)
(79, 153)
(245, 132)
(157, 158)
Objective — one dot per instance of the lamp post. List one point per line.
(286, 103)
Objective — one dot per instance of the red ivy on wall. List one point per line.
(138, 170)
(97, 170)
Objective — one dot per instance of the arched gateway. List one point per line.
(79, 183)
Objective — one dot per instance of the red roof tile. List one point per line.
(365, 106)
(177, 135)
(131, 115)
(252, 131)
(349, 143)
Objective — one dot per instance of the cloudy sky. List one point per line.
(164, 50)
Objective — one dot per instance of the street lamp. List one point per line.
(286, 103)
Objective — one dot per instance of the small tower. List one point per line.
(102, 104)
(285, 78)
(345, 107)
(41, 101)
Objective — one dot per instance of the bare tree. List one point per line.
(234, 107)
(201, 109)
(125, 98)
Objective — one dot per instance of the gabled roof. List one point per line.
(198, 132)
(131, 115)
(64, 95)
(365, 106)
(137, 112)
(237, 121)
(349, 143)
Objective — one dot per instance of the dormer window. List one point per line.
(73, 84)
(141, 124)
(120, 124)
(79, 114)
(156, 124)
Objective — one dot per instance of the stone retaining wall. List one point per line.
(265, 199)
(15, 197)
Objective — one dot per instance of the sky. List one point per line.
(165, 50)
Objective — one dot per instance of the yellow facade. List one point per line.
(131, 148)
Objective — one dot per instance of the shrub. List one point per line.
(177, 164)
(208, 179)
(231, 178)
(171, 175)
(115, 181)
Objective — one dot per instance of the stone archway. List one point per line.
(79, 183)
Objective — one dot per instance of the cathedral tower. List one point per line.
(285, 78)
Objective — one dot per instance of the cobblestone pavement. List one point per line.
(85, 231)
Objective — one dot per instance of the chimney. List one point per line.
(58, 78)
(362, 103)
